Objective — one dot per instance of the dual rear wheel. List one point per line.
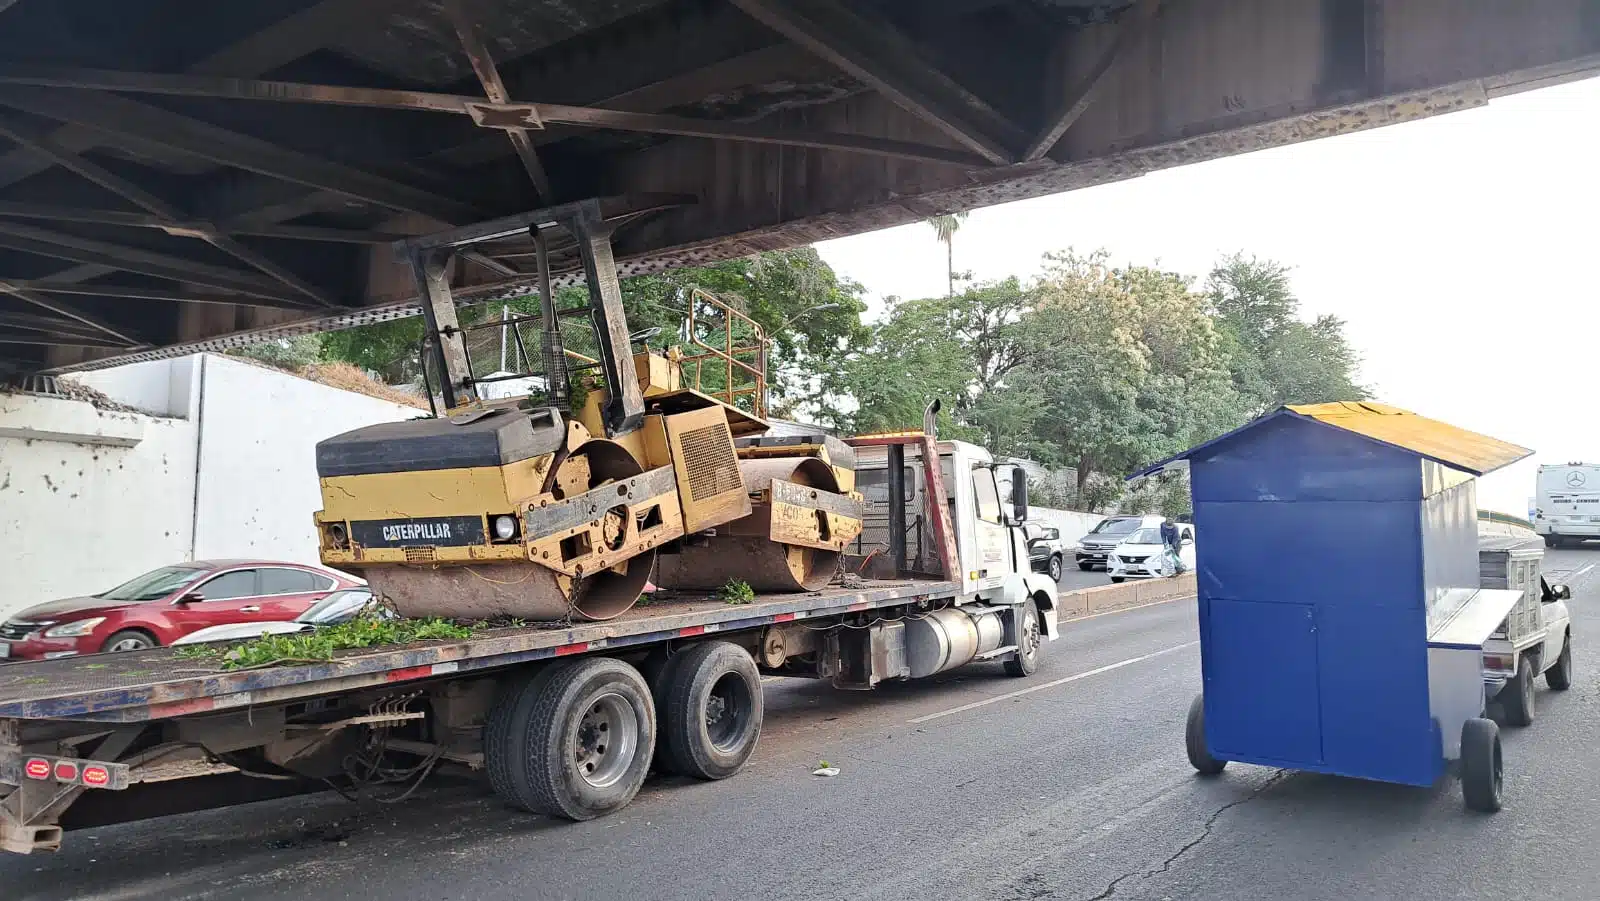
(576, 738)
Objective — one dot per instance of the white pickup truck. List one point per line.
(1535, 639)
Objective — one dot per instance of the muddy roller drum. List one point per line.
(790, 541)
(536, 593)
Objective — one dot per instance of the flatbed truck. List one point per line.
(564, 719)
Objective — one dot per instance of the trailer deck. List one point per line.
(157, 684)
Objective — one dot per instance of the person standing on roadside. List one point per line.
(1169, 541)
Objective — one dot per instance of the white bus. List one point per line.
(1567, 507)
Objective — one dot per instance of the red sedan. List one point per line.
(166, 604)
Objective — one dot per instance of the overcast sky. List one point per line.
(1459, 251)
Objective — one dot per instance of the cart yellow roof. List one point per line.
(1452, 446)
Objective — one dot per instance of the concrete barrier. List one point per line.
(1102, 598)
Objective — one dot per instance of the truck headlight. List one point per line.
(75, 630)
(505, 527)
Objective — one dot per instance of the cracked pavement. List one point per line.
(1076, 791)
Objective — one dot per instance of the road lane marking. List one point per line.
(1030, 690)
(1578, 576)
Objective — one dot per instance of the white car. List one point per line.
(337, 607)
(1142, 554)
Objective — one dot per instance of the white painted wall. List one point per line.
(104, 497)
(1072, 524)
(258, 478)
(129, 483)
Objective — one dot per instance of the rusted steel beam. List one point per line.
(121, 116)
(52, 213)
(61, 246)
(55, 325)
(875, 52)
(21, 292)
(495, 89)
(509, 116)
(51, 286)
(59, 340)
(1135, 24)
(154, 205)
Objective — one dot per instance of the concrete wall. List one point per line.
(1072, 524)
(88, 498)
(258, 479)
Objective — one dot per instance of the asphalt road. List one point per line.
(1068, 785)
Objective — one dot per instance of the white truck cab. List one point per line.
(983, 497)
(1567, 504)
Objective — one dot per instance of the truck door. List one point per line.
(993, 537)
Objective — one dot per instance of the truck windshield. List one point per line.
(158, 583)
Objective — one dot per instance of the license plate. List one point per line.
(435, 531)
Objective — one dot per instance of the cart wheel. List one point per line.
(1482, 770)
(1559, 677)
(1517, 696)
(1194, 740)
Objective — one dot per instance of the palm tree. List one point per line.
(945, 228)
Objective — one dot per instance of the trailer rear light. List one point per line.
(96, 776)
(66, 771)
(37, 769)
(1497, 662)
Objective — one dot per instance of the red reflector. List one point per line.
(37, 769)
(66, 772)
(96, 776)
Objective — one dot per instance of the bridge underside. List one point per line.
(177, 176)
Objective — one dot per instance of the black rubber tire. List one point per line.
(1194, 740)
(1054, 568)
(1482, 765)
(147, 641)
(1116, 580)
(504, 727)
(1516, 698)
(1559, 677)
(1086, 565)
(1551, 541)
(1025, 662)
(696, 740)
(546, 767)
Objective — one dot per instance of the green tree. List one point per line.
(945, 228)
(1274, 357)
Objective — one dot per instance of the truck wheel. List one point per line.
(711, 708)
(1055, 568)
(1026, 659)
(1550, 541)
(1517, 696)
(504, 728)
(1559, 677)
(1194, 740)
(1482, 769)
(591, 729)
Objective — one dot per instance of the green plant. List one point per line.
(737, 592)
(322, 644)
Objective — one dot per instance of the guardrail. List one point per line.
(1082, 602)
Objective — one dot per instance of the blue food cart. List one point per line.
(1341, 629)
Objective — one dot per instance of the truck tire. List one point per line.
(1516, 698)
(1194, 740)
(1559, 677)
(710, 711)
(1551, 541)
(1026, 659)
(504, 727)
(590, 732)
(1482, 768)
(1055, 567)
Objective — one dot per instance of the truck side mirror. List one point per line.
(1019, 495)
(1560, 592)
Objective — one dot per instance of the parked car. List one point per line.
(1143, 555)
(1095, 547)
(1046, 549)
(165, 604)
(339, 607)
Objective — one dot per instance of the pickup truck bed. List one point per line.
(153, 685)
